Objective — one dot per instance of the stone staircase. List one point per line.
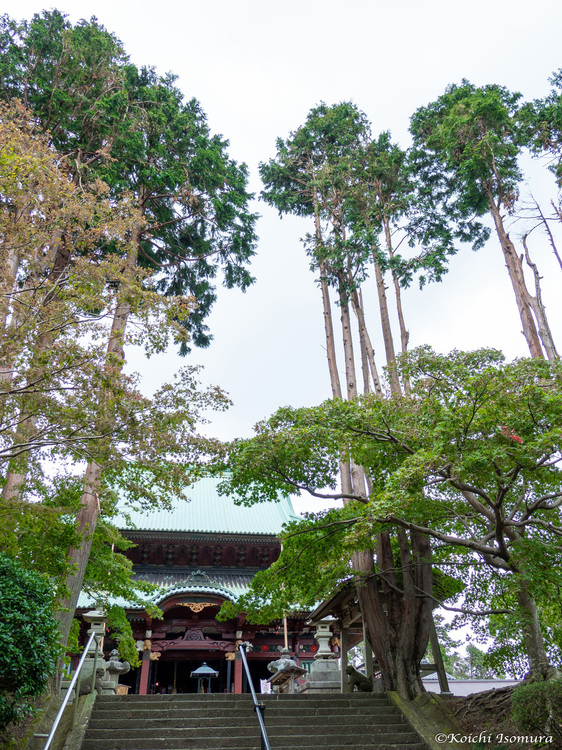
(352, 721)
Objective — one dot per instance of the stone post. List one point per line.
(325, 676)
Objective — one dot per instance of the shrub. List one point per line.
(537, 707)
(29, 638)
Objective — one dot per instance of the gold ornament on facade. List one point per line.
(155, 655)
(196, 606)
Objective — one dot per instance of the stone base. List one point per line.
(324, 677)
(329, 686)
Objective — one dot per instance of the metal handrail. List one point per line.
(259, 708)
(77, 677)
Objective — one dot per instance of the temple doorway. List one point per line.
(173, 675)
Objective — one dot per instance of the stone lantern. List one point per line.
(204, 673)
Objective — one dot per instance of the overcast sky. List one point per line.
(257, 68)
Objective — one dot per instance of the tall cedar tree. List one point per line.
(132, 128)
(320, 172)
(469, 140)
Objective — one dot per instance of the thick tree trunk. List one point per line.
(534, 642)
(397, 612)
(518, 283)
(374, 617)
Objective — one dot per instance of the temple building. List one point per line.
(202, 552)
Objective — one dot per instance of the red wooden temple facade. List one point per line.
(201, 553)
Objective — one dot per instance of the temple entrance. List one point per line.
(173, 675)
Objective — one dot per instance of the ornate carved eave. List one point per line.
(192, 640)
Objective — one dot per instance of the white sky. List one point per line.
(258, 68)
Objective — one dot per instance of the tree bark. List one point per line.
(329, 330)
(538, 307)
(327, 309)
(386, 330)
(366, 346)
(404, 333)
(351, 380)
(517, 281)
(87, 516)
(534, 642)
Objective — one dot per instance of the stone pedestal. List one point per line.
(325, 675)
(96, 620)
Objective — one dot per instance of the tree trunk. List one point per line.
(87, 516)
(351, 380)
(366, 346)
(534, 642)
(539, 309)
(329, 329)
(327, 308)
(404, 333)
(78, 556)
(517, 281)
(386, 330)
(374, 617)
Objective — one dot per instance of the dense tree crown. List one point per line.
(119, 213)
(470, 458)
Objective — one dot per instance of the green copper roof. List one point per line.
(202, 510)
(230, 585)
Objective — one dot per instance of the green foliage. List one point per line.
(471, 134)
(29, 638)
(314, 561)
(542, 121)
(361, 189)
(122, 634)
(537, 707)
(470, 457)
(132, 127)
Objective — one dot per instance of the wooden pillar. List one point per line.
(343, 658)
(438, 659)
(238, 675)
(145, 672)
(368, 654)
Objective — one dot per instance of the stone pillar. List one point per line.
(324, 674)
(96, 620)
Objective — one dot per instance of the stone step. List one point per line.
(250, 728)
(232, 698)
(341, 740)
(256, 745)
(272, 719)
(288, 712)
(352, 721)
